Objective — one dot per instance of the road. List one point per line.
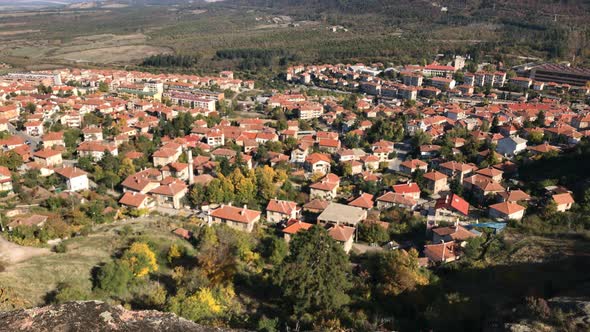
(35, 141)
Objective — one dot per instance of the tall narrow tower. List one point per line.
(191, 178)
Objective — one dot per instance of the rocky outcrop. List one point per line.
(90, 316)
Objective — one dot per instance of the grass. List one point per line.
(29, 282)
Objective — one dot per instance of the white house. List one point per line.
(511, 146)
(76, 179)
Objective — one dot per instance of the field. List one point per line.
(118, 35)
(28, 282)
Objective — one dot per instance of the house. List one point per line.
(143, 181)
(455, 233)
(340, 214)
(293, 227)
(183, 233)
(344, 235)
(429, 150)
(96, 150)
(410, 166)
(299, 154)
(542, 149)
(450, 208)
(318, 163)
(170, 191)
(441, 253)
(482, 186)
(215, 138)
(563, 201)
(136, 200)
(165, 156)
(76, 179)
(514, 196)
(511, 146)
(35, 220)
(506, 211)
(5, 179)
(492, 173)
(364, 201)
(279, 210)
(409, 189)
(52, 139)
(177, 170)
(239, 218)
(48, 157)
(34, 128)
(435, 182)
(92, 134)
(326, 188)
(316, 206)
(456, 169)
(391, 199)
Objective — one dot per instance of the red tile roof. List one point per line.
(364, 201)
(453, 202)
(242, 215)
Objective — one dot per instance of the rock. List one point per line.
(90, 316)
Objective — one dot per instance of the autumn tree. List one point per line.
(140, 259)
(127, 168)
(398, 271)
(266, 186)
(314, 275)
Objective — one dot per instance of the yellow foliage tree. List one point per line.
(140, 259)
(173, 253)
(127, 168)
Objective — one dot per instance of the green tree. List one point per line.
(276, 250)
(373, 233)
(114, 277)
(197, 194)
(103, 87)
(313, 277)
(11, 159)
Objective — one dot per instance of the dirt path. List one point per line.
(11, 253)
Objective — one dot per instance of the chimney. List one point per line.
(191, 178)
(443, 252)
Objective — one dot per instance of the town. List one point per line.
(434, 161)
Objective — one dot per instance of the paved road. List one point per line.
(34, 140)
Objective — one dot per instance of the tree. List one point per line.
(11, 159)
(174, 252)
(398, 271)
(71, 138)
(313, 276)
(103, 87)
(373, 233)
(197, 194)
(140, 259)
(277, 250)
(127, 168)
(266, 186)
(540, 121)
(114, 277)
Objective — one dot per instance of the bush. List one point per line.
(114, 277)
(60, 248)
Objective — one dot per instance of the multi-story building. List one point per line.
(561, 74)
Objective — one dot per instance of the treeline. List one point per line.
(254, 58)
(169, 60)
